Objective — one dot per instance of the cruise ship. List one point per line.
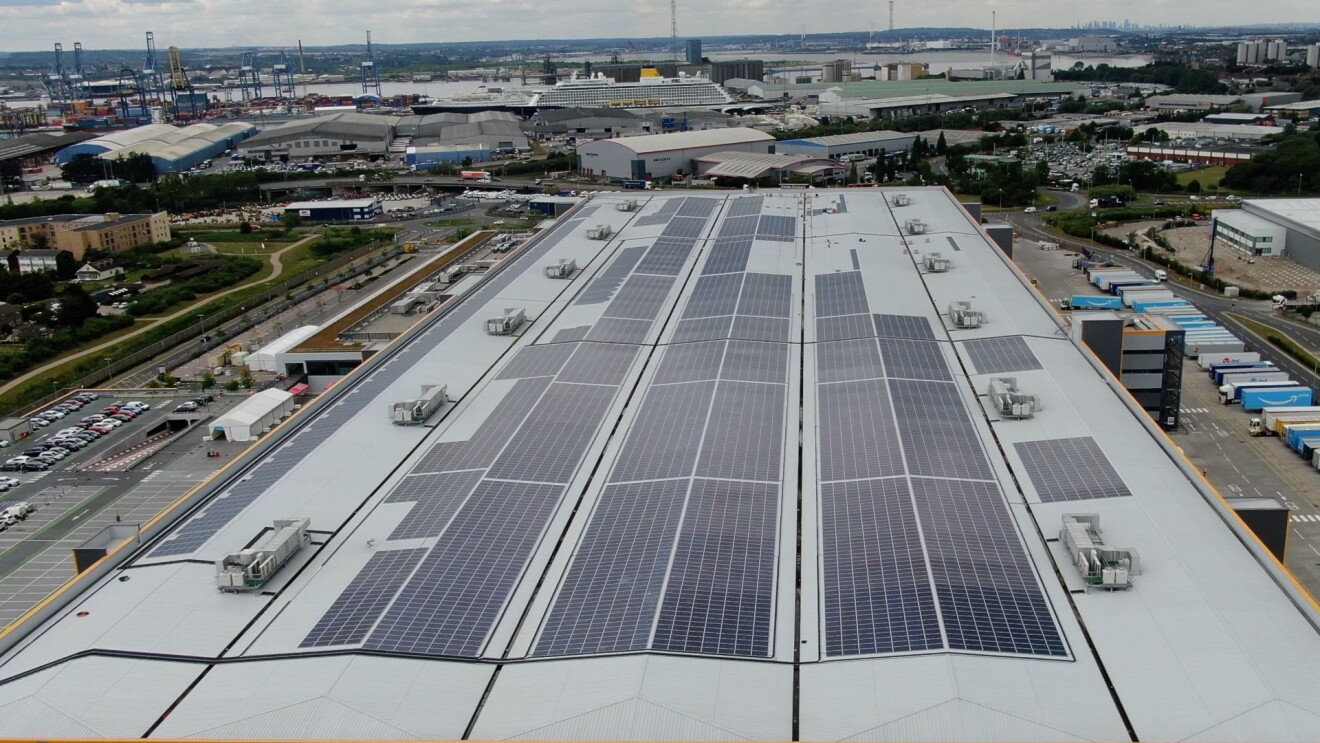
(652, 91)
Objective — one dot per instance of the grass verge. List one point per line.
(1280, 340)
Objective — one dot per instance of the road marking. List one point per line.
(1305, 518)
(84, 513)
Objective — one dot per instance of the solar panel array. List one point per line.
(488, 499)
(679, 553)
(918, 549)
(1005, 354)
(353, 614)
(1070, 469)
(232, 500)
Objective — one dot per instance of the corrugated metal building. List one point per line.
(664, 155)
(750, 473)
(172, 149)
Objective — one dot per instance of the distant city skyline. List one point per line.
(35, 25)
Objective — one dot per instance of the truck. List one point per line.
(1106, 280)
(1225, 374)
(1212, 370)
(1088, 302)
(1144, 305)
(474, 175)
(1207, 360)
(1256, 375)
(1147, 294)
(1274, 418)
(1293, 434)
(1254, 399)
(1308, 446)
(1116, 287)
(1194, 349)
(1231, 393)
(635, 185)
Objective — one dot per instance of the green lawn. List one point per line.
(1207, 176)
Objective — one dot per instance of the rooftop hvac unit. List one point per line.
(449, 275)
(512, 320)
(963, 316)
(915, 227)
(900, 199)
(561, 270)
(1011, 403)
(937, 263)
(600, 232)
(250, 569)
(415, 412)
(627, 206)
(1108, 568)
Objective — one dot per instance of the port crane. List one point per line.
(249, 77)
(282, 75)
(370, 74)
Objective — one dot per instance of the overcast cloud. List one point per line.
(37, 24)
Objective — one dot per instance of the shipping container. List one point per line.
(1275, 418)
(1254, 375)
(1143, 305)
(1217, 368)
(1231, 393)
(1088, 302)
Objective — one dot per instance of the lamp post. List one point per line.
(1299, 185)
(106, 359)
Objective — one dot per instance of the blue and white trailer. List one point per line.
(1231, 393)
(1253, 375)
(1257, 398)
(1215, 370)
(1143, 305)
(1089, 302)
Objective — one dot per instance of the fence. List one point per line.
(219, 331)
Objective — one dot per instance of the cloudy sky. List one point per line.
(27, 25)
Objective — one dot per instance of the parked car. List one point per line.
(102, 428)
(186, 407)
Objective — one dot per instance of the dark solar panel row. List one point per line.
(777, 228)
(555, 435)
(599, 363)
(666, 256)
(767, 295)
(913, 327)
(537, 361)
(702, 329)
(356, 609)
(746, 361)
(745, 206)
(937, 433)
(667, 210)
(608, 281)
(479, 451)
(840, 293)
(855, 426)
(1000, 610)
(608, 600)
(663, 441)
(745, 434)
(846, 361)
(844, 327)
(690, 362)
(1070, 469)
(433, 511)
(771, 329)
(611, 330)
(451, 602)
(698, 207)
(998, 355)
(641, 298)
(877, 592)
(728, 255)
(719, 599)
(713, 296)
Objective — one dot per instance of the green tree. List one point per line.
(76, 307)
(246, 380)
(208, 380)
(232, 385)
(66, 266)
(1194, 187)
(290, 221)
(941, 146)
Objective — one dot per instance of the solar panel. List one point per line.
(777, 228)
(720, 595)
(599, 363)
(914, 327)
(914, 360)
(767, 295)
(537, 361)
(744, 206)
(713, 296)
(663, 216)
(856, 262)
(698, 207)
(608, 281)
(746, 361)
(876, 589)
(663, 440)
(1070, 469)
(481, 449)
(1005, 354)
(728, 255)
(990, 598)
(739, 227)
(451, 602)
(856, 432)
(550, 445)
(611, 330)
(666, 256)
(938, 437)
(840, 293)
(358, 607)
(608, 600)
(745, 436)
(689, 362)
(844, 361)
(704, 329)
(437, 506)
(415, 488)
(844, 327)
(570, 335)
(640, 298)
(772, 329)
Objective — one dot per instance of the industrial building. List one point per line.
(492, 130)
(424, 158)
(1203, 130)
(172, 149)
(330, 136)
(347, 210)
(33, 150)
(1209, 155)
(754, 166)
(1288, 227)
(813, 464)
(881, 108)
(1145, 353)
(79, 233)
(664, 155)
(988, 91)
(869, 144)
(730, 69)
(587, 123)
(1254, 102)
(1296, 110)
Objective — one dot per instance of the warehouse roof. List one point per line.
(843, 140)
(333, 204)
(873, 89)
(652, 143)
(346, 124)
(1193, 129)
(1295, 106)
(556, 115)
(757, 165)
(738, 477)
(1302, 213)
(33, 144)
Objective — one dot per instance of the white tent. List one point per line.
(265, 358)
(255, 415)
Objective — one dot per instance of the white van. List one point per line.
(1161, 275)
